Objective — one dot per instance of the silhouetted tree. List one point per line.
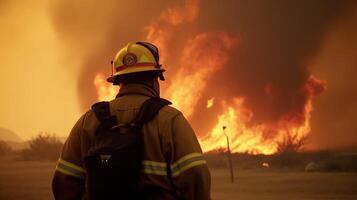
(292, 143)
(44, 146)
(288, 150)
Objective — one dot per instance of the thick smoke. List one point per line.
(335, 114)
(278, 40)
(93, 32)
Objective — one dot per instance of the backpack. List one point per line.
(113, 163)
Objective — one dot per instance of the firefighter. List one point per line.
(168, 136)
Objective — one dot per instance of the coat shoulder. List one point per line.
(170, 111)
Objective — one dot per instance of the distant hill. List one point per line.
(18, 145)
(8, 135)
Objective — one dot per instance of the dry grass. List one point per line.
(253, 185)
(30, 180)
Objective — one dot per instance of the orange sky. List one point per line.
(38, 92)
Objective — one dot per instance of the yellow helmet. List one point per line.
(135, 57)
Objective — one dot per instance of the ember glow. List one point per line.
(266, 165)
(210, 103)
(203, 55)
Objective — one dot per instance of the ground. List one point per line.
(253, 185)
(31, 180)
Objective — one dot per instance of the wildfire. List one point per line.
(253, 139)
(197, 66)
(202, 56)
(242, 138)
(161, 31)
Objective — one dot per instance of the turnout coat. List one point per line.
(167, 135)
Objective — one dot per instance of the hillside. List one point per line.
(8, 135)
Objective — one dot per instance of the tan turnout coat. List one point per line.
(168, 133)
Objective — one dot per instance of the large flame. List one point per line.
(196, 67)
(105, 91)
(202, 55)
(242, 138)
(161, 31)
(257, 139)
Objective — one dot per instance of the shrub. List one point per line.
(291, 143)
(289, 150)
(43, 147)
(4, 148)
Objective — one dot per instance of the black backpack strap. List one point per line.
(102, 112)
(149, 110)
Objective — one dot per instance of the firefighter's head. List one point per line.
(136, 63)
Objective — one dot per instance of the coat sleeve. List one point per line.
(69, 178)
(189, 171)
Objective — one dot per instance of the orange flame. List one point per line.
(197, 64)
(242, 138)
(196, 67)
(252, 139)
(161, 31)
(105, 91)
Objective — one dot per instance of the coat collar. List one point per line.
(138, 89)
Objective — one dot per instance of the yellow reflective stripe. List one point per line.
(63, 171)
(152, 167)
(183, 164)
(71, 165)
(193, 164)
(156, 172)
(187, 162)
(153, 163)
(187, 157)
(70, 169)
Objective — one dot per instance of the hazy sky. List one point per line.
(51, 50)
(38, 92)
